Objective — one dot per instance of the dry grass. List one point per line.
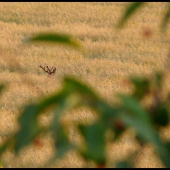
(109, 58)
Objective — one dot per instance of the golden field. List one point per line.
(108, 58)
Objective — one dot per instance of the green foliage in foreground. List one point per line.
(146, 122)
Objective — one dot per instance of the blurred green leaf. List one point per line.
(2, 86)
(158, 80)
(167, 145)
(143, 130)
(91, 99)
(164, 153)
(95, 142)
(28, 119)
(55, 38)
(139, 140)
(142, 86)
(118, 128)
(141, 122)
(160, 116)
(131, 9)
(9, 143)
(123, 164)
(28, 127)
(146, 134)
(68, 95)
(165, 20)
(1, 164)
(76, 86)
(62, 142)
(130, 104)
(139, 119)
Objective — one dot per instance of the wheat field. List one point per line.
(108, 59)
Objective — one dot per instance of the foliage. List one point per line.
(146, 121)
(54, 38)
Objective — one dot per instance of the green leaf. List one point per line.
(90, 98)
(160, 116)
(73, 91)
(164, 153)
(62, 142)
(28, 127)
(2, 86)
(123, 164)
(142, 86)
(28, 120)
(143, 130)
(158, 80)
(1, 164)
(66, 101)
(77, 86)
(118, 128)
(165, 20)
(95, 142)
(141, 122)
(139, 119)
(132, 105)
(9, 143)
(131, 9)
(54, 38)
